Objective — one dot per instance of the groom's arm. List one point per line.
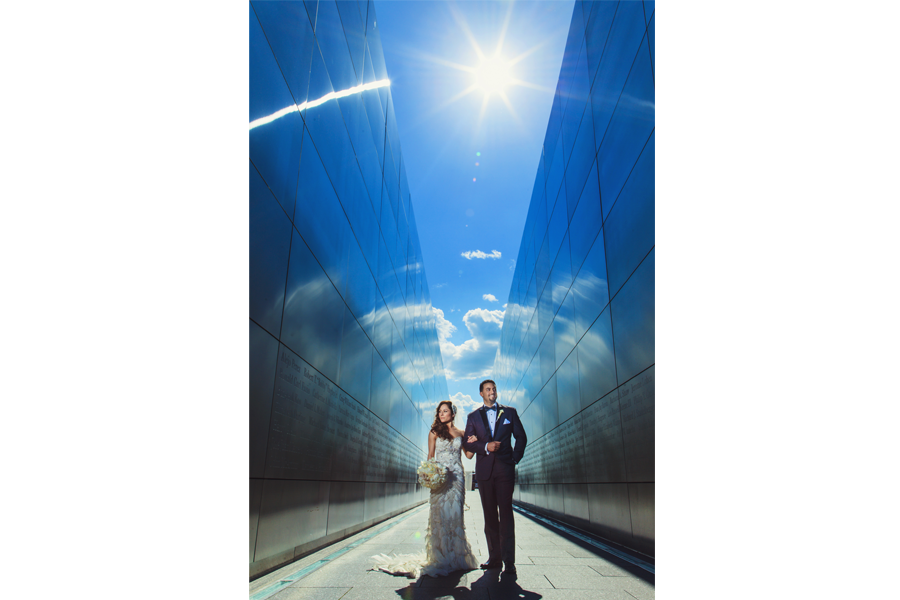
(518, 433)
(478, 447)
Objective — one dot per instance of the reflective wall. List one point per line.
(577, 347)
(345, 367)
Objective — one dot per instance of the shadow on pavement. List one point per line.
(491, 585)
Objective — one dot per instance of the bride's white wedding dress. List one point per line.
(446, 547)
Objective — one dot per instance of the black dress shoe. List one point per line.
(495, 564)
(509, 568)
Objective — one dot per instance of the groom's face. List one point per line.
(489, 393)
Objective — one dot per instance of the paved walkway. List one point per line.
(550, 565)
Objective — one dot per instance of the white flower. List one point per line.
(432, 474)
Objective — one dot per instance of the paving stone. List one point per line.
(525, 579)
(545, 551)
(604, 567)
(323, 578)
(454, 580)
(639, 588)
(570, 594)
(583, 577)
(419, 593)
(334, 593)
(578, 552)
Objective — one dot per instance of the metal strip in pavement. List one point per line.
(300, 574)
(574, 533)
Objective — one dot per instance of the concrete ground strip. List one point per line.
(550, 564)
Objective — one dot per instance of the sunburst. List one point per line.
(493, 76)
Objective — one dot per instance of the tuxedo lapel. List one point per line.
(487, 426)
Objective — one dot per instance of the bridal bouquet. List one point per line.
(432, 474)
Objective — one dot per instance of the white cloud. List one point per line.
(464, 405)
(489, 297)
(444, 327)
(474, 358)
(439, 285)
(470, 254)
(512, 264)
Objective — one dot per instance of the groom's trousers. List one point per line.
(496, 497)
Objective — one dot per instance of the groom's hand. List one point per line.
(493, 446)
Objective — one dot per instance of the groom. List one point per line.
(495, 471)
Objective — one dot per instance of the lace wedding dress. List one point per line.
(446, 547)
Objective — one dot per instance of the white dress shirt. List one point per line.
(492, 421)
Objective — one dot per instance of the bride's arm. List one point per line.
(471, 439)
(431, 441)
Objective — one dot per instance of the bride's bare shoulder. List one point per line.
(457, 432)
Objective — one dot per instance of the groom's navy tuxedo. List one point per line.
(496, 473)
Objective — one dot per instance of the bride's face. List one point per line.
(444, 414)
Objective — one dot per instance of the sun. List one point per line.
(493, 75)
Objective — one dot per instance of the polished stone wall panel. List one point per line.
(356, 361)
(621, 46)
(637, 405)
(346, 505)
(586, 220)
(604, 448)
(568, 393)
(313, 311)
(263, 357)
(590, 288)
(270, 240)
(633, 320)
(641, 500)
(596, 361)
(563, 328)
(628, 130)
(345, 365)
(576, 351)
(256, 488)
(291, 38)
(580, 163)
(610, 511)
(291, 514)
(576, 502)
(632, 225)
(333, 41)
(375, 500)
(320, 218)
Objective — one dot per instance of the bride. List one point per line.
(446, 547)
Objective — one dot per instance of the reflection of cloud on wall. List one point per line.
(474, 358)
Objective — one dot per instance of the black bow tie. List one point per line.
(490, 408)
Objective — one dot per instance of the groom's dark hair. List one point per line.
(481, 387)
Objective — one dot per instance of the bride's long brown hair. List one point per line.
(442, 430)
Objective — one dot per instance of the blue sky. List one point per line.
(470, 217)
